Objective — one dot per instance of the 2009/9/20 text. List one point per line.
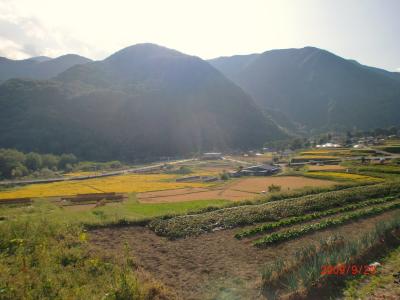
(342, 270)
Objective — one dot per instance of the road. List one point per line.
(105, 174)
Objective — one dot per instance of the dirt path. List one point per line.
(210, 266)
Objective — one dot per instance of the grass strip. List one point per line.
(295, 233)
(309, 217)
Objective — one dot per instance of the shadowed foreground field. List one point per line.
(211, 266)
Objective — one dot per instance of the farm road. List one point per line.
(105, 174)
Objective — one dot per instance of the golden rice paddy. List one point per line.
(128, 183)
(342, 176)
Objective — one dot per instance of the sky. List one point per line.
(365, 30)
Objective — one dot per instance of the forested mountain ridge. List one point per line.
(143, 101)
(40, 67)
(316, 88)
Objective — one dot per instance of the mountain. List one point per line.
(316, 88)
(40, 67)
(40, 58)
(393, 75)
(143, 101)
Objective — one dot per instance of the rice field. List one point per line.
(329, 152)
(129, 183)
(342, 176)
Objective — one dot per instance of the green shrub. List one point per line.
(183, 170)
(224, 176)
(274, 188)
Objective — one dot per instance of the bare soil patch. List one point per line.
(258, 184)
(205, 195)
(210, 266)
(247, 188)
(166, 193)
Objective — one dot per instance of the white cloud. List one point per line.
(11, 49)
(26, 36)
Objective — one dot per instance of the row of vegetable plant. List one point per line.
(194, 224)
(278, 237)
(309, 217)
(289, 276)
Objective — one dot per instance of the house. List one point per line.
(359, 146)
(211, 156)
(259, 170)
(328, 145)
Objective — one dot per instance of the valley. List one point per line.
(257, 157)
(226, 238)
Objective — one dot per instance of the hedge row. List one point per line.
(295, 233)
(187, 225)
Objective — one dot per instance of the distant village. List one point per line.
(284, 152)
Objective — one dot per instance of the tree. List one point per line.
(184, 170)
(33, 161)
(380, 132)
(50, 161)
(224, 175)
(19, 171)
(67, 159)
(9, 160)
(296, 144)
(115, 164)
(393, 130)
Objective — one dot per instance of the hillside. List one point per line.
(40, 67)
(143, 101)
(316, 88)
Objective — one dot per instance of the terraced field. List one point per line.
(249, 250)
(270, 211)
(274, 246)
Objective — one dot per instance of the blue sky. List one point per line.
(365, 30)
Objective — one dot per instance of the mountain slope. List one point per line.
(143, 101)
(316, 88)
(392, 75)
(40, 67)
